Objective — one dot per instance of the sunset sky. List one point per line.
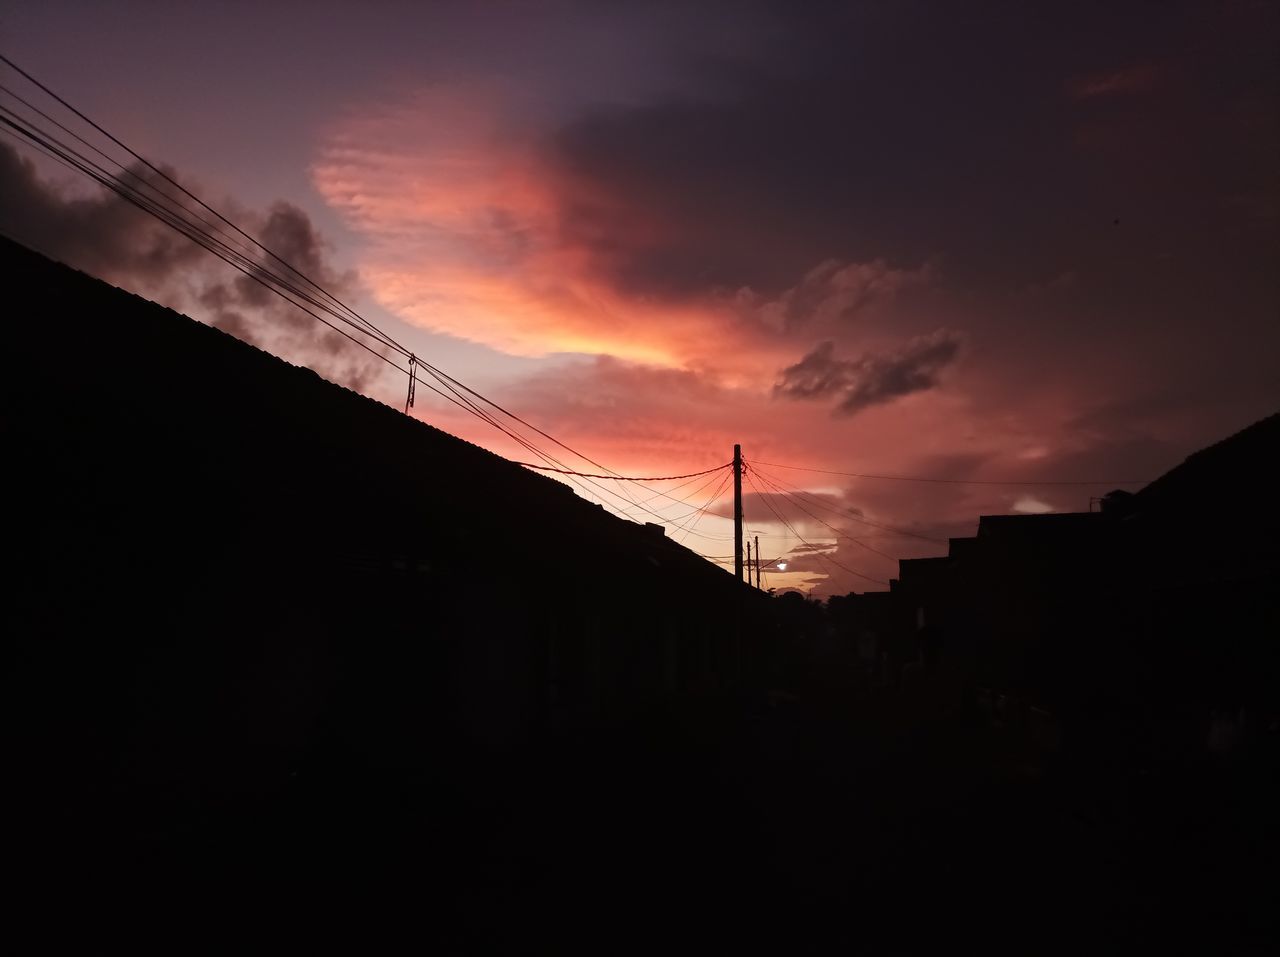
(984, 241)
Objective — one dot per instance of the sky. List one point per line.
(971, 242)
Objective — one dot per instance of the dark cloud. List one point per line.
(100, 233)
(831, 293)
(287, 231)
(863, 557)
(817, 375)
(106, 236)
(876, 133)
(871, 379)
(806, 515)
(993, 142)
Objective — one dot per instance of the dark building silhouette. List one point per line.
(1133, 631)
(277, 650)
(1112, 680)
(226, 576)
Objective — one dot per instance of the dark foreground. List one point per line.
(811, 824)
(256, 697)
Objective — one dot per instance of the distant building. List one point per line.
(1142, 628)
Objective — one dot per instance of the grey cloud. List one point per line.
(102, 234)
(871, 379)
(833, 291)
(106, 236)
(289, 233)
(818, 374)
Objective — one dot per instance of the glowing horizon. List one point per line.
(654, 249)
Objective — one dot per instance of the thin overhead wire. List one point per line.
(795, 500)
(151, 208)
(167, 178)
(254, 272)
(715, 497)
(946, 481)
(668, 493)
(74, 160)
(729, 559)
(253, 259)
(819, 555)
(328, 302)
(626, 478)
(709, 482)
(858, 518)
(159, 206)
(142, 181)
(112, 182)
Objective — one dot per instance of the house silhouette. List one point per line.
(1134, 630)
(225, 572)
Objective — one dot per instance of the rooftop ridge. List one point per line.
(415, 431)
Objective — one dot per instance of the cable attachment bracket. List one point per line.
(413, 381)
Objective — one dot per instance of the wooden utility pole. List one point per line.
(757, 562)
(737, 511)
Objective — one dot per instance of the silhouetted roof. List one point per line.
(131, 393)
(1053, 525)
(1237, 473)
(1213, 518)
(921, 571)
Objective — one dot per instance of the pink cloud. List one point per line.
(464, 212)
(463, 217)
(461, 220)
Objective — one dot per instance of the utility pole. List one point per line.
(737, 511)
(757, 563)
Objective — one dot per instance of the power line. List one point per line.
(691, 519)
(75, 160)
(305, 291)
(729, 559)
(232, 257)
(815, 552)
(943, 481)
(264, 276)
(626, 478)
(338, 308)
(715, 497)
(667, 494)
(864, 521)
(141, 180)
(261, 275)
(104, 178)
(165, 176)
(795, 500)
(715, 480)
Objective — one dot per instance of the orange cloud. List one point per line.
(464, 221)
(462, 229)
(472, 231)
